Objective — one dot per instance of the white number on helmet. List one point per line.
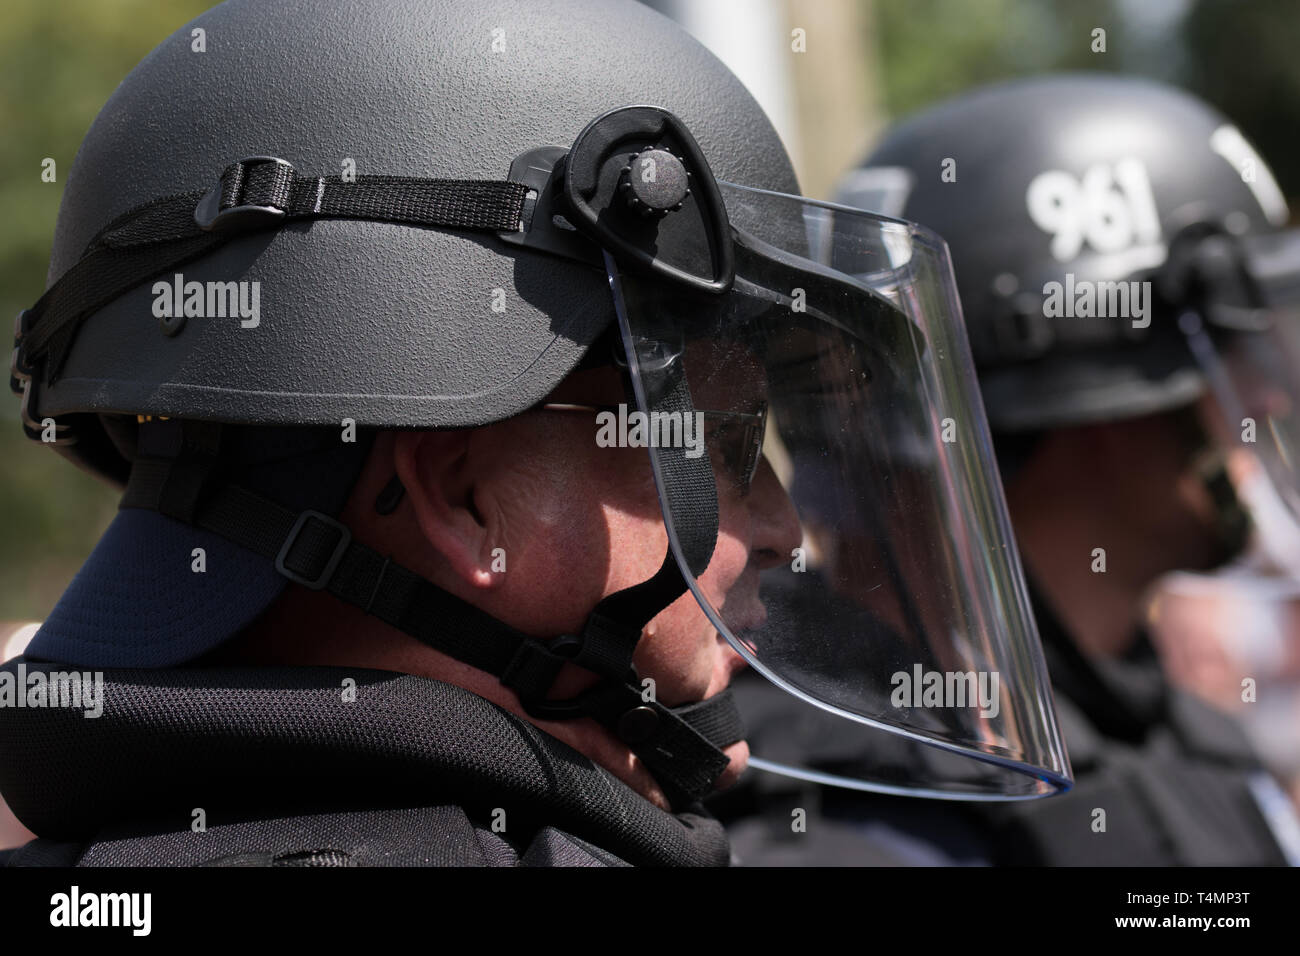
(1111, 208)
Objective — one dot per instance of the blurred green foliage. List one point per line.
(932, 49)
(59, 61)
(1239, 55)
(1245, 59)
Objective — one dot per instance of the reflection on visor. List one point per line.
(865, 566)
(738, 439)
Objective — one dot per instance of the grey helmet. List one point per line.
(389, 325)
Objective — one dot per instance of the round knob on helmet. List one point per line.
(655, 182)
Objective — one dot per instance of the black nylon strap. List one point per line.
(96, 280)
(188, 450)
(687, 482)
(362, 577)
(715, 718)
(158, 236)
(615, 625)
(449, 203)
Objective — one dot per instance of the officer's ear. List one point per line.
(436, 469)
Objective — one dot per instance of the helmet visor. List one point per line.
(1250, 353)
(863, 561)
(1260, 376)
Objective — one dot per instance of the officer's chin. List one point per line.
(739, 756)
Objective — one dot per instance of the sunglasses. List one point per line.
(737, 437)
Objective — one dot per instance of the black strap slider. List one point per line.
(531, 671)
(19, 370)
(251, 194)
(23, 381)
(312, 533)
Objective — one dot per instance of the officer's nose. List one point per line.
(776, 529)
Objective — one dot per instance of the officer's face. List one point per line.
(596, 511)
(534, 521)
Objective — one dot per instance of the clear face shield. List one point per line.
(864, 562)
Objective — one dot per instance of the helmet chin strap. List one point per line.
(682, 746)
(1231, 520)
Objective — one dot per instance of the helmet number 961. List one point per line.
(1111, 208)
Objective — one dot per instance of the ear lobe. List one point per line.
(436, 470)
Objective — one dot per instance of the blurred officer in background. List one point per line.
(395, 579)
(1127, 292)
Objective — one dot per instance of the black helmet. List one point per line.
(300, 153)
(1048, 187)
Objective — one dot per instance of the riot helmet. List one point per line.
(1120, 252)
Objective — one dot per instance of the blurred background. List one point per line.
(864, 63)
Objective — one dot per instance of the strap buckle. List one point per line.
(35, 428)
(584, 704)
(322, 579)
(252, 193)
(532, 670)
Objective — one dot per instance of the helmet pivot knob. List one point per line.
(655, 182)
